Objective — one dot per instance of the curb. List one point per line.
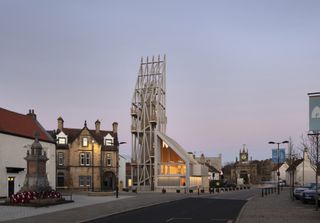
(243, 209)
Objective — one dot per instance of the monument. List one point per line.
(36, 190)
(36, 179)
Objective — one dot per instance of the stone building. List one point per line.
(244, 171)
(87, 159)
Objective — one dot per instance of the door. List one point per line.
(10, 186)
(109, 181)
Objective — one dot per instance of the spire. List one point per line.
(85, 123)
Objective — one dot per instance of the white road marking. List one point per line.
(171, 219)
(221, 219)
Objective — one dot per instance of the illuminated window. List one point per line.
(109, 142)
(62, 140)
(85, 141)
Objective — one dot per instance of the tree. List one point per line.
(310, 144)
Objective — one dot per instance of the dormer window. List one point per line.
(108, 140)
(62, 140)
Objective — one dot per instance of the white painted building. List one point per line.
(301, 171)
(282, 170)
(16, 136)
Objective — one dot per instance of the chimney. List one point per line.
(60, 123)
(115, 127)
(98, 126)
(32, 114)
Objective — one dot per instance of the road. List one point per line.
(224, 207)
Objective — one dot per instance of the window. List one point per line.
(85, 181)
(62, 140)
(60, 159)
(60, 180)
(109, 142)
(85, 141)
(82, 161)
(109, 159)
(87, 159)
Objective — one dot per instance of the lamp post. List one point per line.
(278, 155)
(316, 134)
(92, 164)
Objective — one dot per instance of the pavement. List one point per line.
(277, 209)
(271, 208)
(86, 208)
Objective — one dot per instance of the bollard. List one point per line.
(117, 191)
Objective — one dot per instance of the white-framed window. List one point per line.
(85, 181)
(62, 140)
(88, 162)
(85, 141)
(82, 159)
(85, 159)
(109, 159)
(109, 142)
(60, 158)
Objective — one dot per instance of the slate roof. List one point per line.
(275, 167)
(294, 165)
(21, 125)
(74, 133)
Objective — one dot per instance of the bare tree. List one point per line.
(291, 152)
(310, 144)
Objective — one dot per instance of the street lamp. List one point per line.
(92, 165)
(117, 175)
(278, 172)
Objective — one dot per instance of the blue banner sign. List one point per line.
(282, 155)
(314, 111)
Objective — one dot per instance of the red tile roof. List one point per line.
(22, 125)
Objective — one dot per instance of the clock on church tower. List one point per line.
(243, 154)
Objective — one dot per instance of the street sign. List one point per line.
(314, 111)
(282, 155)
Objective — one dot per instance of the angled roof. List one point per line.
(211, 168)
(74, 133)
(176, 147)
(21, 125)
(294, 165)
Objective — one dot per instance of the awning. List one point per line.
(14, 169)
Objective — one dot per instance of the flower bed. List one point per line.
(28, 196)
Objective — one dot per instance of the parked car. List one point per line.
(309, 195)
(299, 190)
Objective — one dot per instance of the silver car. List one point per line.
(299, 190)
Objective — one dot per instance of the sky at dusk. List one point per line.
(238, 72)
